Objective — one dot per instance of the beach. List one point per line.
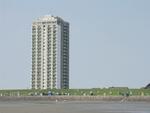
(75, 98)
(75, 104)
(73, 107)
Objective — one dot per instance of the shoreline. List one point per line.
(76, 98)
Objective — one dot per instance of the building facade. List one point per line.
(50, 53)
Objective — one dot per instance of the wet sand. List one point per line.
(73, 107)
(75, 98)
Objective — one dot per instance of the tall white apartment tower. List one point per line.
(50, 53)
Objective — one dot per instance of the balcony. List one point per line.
(39, 35)
(33, 32)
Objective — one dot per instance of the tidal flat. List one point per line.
(73, 107)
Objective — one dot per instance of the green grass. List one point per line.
(79, 92)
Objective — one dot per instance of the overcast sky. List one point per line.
(109, 41)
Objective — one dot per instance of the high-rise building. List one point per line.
(50, 53)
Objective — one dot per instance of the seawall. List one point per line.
(75, 98)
